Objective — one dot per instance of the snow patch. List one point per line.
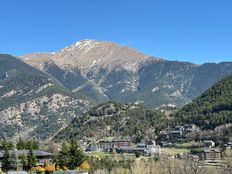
(122, 91)
(94, 61)
(139, 101)
(176, 94)
(110, 86)
(77, 44)
(169, 105)
(155, 89)
(168, 86)
(127, 82)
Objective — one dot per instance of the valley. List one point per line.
(118, 104)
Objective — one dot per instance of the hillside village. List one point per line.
(176, 138)
(114, 135)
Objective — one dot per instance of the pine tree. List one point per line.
(77, 157)
(6, 160)
(34, 144)
(6, 145)
(10, 160)
(71, 155)
(13, 160)
(24, 162)
(63, 155)
(31, 159)
(21, 144)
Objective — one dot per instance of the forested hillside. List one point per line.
(115, 120)
(212, 108)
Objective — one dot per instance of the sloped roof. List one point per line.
(26, 152)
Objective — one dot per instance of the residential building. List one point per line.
(208, 143)
(211, 154)
(153, 149)
(41, 156)
(92, 147)
(175, 136)
(150, 149)
(228, 145)
(106, 145)
(130, 149)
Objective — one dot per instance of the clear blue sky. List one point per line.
(186, 30)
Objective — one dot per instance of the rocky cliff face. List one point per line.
(108, 71)
(32, 104)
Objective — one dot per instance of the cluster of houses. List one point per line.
(170, 136)
(209, 152)
(125, 146)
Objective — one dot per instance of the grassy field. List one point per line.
(174, 151)
(100, 154)
(171, 151)
(115, 156)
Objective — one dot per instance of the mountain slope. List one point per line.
(32, 104)
(114, 120)
(211, 109)
(89, 55)
(114, 72)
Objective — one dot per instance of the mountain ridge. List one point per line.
(114, 72)
(85, 53)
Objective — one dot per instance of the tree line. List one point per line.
(10, 159)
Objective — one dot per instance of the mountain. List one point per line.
(41, 93)
(211, 109)
(114, 120)
(107, 71)
(33, 104)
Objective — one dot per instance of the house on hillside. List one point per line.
(176, 136)
(179, 128)
(190, 128)
(208, 143)
(228, 145)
